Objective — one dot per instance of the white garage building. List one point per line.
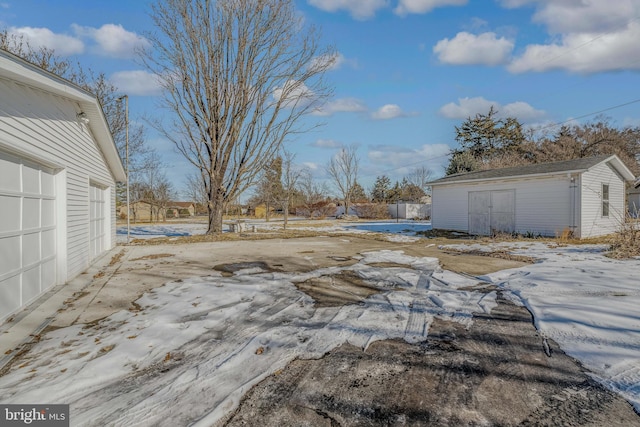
(585, 196)
(58, 169)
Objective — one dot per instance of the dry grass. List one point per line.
(626, 242)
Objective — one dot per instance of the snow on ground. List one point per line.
(198, 344)
(150, 231)
(402, 231)
(588, 303)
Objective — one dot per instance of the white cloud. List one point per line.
(584, 53)
(136, 82)
(359, 9)
(327, 143)
(404, 160)
(112, 40)
(339, 106)
(62, 44)
(388, 111)
(587, 16)
(467, 49)
(332, 62)
(588, 36)
(406, 7)
(522, 111)
(469, 107)
(512, 4)
(296, 92)
(312, 166)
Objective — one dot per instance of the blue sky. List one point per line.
(408, 71)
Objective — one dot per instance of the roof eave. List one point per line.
(622, 169)
(510, 177)
(19, 70)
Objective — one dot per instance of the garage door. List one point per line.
(492, 211)
(98, 215)
(27, 232)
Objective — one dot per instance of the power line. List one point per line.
(544, 127)
(590, 114)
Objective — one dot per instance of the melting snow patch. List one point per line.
(218, 336)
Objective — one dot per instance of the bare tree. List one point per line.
(291, 175)
(343, 170)
(237, 76)
(314, 194)
(420, 177)
(41, 56)
(269, 188)
(194, 189)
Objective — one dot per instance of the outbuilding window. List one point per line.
(605, 200)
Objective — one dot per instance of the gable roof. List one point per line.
(182, 204)
(17, 69)
(539, 169)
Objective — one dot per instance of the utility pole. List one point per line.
(126, 124)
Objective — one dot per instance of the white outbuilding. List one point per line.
(584, 197)
(58, 170)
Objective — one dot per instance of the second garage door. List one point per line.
(97, 220)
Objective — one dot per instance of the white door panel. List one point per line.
(27, 232)
(491, 211)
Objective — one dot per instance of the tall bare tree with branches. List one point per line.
(238, 75)
(343, 170)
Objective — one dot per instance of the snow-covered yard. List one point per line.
(588, 303)
(217, 336)
(402, 231)
(197, 344)
(151, 231)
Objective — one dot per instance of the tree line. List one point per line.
(283, 185)
(487, 141)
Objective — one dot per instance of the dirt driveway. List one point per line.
(498, 371)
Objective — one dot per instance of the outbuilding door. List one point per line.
(492, 211)
(97, 220)
(27, 232)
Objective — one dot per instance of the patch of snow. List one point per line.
(586, 302)
(151, 231)
(218, 336)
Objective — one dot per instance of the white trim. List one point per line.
(61, 222)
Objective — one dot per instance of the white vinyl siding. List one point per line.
(37, 125)
(542, 204)
(593, 222)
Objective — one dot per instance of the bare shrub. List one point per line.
(318, 210)
(626, 242)
(372, 211)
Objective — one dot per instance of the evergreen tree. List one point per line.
(483, 139)
(380, 189)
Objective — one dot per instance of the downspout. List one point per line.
(573, 194)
